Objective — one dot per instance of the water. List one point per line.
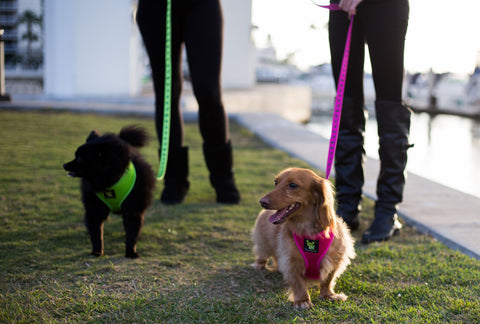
(447, 148)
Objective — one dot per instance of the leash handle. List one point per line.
(167, 93)
(337, 111)
(332, 6)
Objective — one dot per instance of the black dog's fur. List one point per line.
(101, 162)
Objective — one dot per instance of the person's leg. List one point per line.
(385, 27)
(350, 153)
(393, 118)
(203, 40)
(151, 21)
(337, 32)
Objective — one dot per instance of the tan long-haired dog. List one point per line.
(301, 232)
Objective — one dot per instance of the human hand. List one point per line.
(350, 6)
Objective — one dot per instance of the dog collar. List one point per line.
(313, 249)
(114, 196)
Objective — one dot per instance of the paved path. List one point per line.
(450, 216)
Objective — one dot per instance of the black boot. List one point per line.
(219, 162)
(176, 175)
(393, 120)
(349, 160)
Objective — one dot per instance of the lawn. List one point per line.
(194, 264)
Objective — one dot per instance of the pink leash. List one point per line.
(337, 112)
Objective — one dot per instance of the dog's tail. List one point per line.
(134, 135)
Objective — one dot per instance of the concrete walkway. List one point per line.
(450, 216)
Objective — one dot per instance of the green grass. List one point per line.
(195, 257)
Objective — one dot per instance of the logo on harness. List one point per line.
(109, 194)
(310, 246)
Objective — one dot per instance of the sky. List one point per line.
(442, 35)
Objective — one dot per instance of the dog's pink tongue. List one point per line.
(278, 217)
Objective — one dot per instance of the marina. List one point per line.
(446, 148)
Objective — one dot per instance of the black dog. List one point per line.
(115, 178)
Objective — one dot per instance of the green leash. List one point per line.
(167, 94)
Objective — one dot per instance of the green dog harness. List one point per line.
(114, 196)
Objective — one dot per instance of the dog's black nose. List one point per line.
(265, 202)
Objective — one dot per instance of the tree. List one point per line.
(31, 19)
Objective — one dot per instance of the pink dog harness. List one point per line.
(313, 249)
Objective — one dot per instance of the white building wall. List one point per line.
(238, 69)
(93, 48)
(59, 48)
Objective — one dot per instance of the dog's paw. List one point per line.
(340, 297)
(132, 255)
(97, 253)
(259, 265)
(303, 304)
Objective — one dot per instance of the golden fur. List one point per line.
(315, 201)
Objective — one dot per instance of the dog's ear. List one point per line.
(325, 204)
(93, 135)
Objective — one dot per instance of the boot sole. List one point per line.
(382, 239)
